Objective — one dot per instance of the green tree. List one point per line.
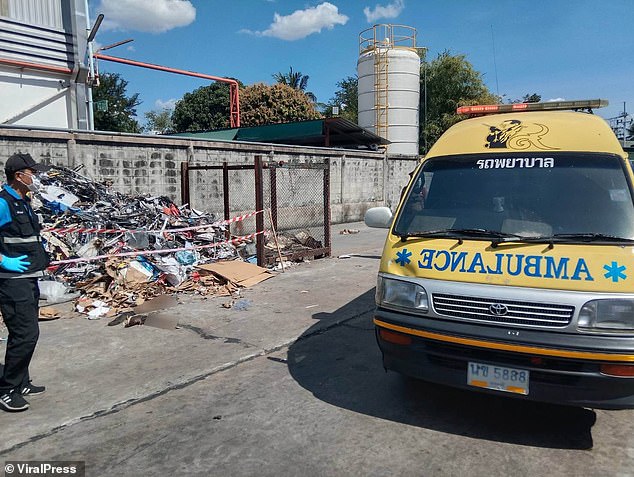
(263, 104)
(346, 98)
(296, 80)
(528, 98)
(159, 121)
(203, 109)
(120, 112)
(447, 82)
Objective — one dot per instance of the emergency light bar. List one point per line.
(548, 106)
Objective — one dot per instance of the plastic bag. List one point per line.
(55, 292)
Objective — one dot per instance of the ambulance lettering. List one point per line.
(513, 162)
(535, 266)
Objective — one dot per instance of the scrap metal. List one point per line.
(83, 219)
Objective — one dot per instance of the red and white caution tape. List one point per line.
(87, 230)
(154, 252)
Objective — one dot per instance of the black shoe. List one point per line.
(32, 390)
(13, 402)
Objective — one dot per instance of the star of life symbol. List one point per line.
(402, 257)
(615, 271)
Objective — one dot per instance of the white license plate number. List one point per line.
(510, 380)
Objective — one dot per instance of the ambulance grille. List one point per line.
(495, 310)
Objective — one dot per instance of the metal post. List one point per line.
(225, 196)
(624, 124)
(185, 184)
(425, 104)
(259, 205)
(327, 208)
(273, 178)
(91, 72)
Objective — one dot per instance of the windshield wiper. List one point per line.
(585, 237)
(571, 238)
(462, 233)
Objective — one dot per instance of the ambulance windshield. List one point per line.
(524, 195)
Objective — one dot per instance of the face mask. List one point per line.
(34, 186)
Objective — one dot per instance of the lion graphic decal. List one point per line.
(513, 134)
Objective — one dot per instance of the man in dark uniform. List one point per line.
(22, 261)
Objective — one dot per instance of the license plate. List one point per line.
(510, 380)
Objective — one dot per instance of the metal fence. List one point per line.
(294, 198)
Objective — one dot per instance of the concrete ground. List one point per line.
(90, 368)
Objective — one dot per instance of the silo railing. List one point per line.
(387, 36)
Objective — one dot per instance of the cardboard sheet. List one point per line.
(48, 313)
(241, 273)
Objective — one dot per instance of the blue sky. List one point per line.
(570, 49)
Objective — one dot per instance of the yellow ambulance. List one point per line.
(509, 263)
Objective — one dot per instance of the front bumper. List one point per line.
(553, 378)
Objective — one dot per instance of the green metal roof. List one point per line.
(329, 132)
(285, 131)
(220, 134)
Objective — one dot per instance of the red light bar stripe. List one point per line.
(547, 106)
(485, 108)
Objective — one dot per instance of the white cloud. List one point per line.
(302, 23)
(169, 104)
(556, 99)
(391, 10)
(154, 16)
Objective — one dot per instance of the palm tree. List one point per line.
(296, 80)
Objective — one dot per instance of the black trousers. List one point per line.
(19, 303)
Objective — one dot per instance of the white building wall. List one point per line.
(46, 13)
(43, 64)
(31, 99)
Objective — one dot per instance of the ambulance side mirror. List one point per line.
(378, 217)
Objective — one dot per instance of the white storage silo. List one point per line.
(389, 86)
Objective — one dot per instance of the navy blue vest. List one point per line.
(21, 236)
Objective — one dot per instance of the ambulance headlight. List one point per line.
(607, 315)
(402, 294)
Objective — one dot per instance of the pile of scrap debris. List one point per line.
(117, 251)
(291, 247)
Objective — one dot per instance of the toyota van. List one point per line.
(509, 262)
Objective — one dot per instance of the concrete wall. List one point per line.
(151, 165)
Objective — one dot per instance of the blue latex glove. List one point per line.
(15, 264)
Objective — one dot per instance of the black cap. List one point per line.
(18, 162)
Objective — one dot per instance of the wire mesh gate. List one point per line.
(296, 194)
